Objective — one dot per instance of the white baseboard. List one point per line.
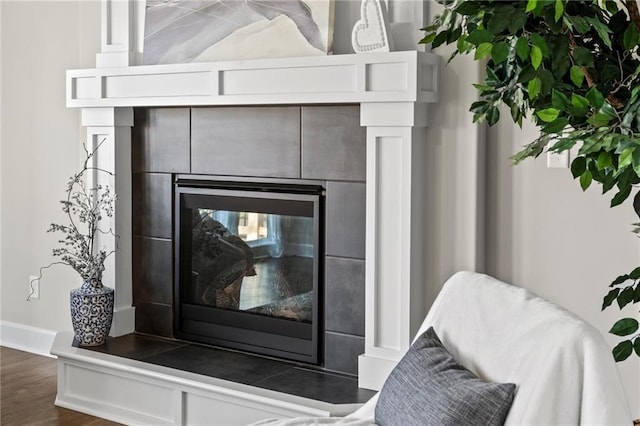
(26, 338)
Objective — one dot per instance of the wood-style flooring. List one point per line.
(28, 390)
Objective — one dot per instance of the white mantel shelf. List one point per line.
(408, 76)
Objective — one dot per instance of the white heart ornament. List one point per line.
(371, 32)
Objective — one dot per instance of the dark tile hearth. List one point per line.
(320, 385)
(262, 372)
(222, 364)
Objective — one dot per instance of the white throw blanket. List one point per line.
(564, 371)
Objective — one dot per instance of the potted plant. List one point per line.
(573, 68)
(85, 206)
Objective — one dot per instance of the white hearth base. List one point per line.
(134, 392)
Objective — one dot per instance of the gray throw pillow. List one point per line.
(428, 387)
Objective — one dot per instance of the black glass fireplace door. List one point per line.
(247, 268)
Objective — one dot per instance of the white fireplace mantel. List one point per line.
(394, 77)
(393, 90)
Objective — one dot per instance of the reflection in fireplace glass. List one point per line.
(259, 263)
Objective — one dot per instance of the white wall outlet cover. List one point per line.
(371, 33)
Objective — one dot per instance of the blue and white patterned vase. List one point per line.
(91, 313)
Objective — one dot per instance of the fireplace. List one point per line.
(247, 269)
(392, 91)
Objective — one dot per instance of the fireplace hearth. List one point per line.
(247, 269)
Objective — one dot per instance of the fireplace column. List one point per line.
(111, 128)
(395, 302)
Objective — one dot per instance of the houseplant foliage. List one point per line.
(86, 205)
(573, 68)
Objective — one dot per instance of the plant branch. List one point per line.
(634, 13)
(615, 102)
(32, 290)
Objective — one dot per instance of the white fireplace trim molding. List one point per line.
(393, 90)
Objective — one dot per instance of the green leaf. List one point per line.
(439, 39)
(636, 346)
(480, 36)
(604, 160)
(462, 44)
(559, 100)
(479, 107)
(598, 120)
(498, 23)
(556, 126)
(483, 50)
(620, 279)
(580, 23)
(518, 20)
(499, 52)
(578, 166)
(585, 180)
(563, 144)
(428, 38)
(608, 110)
(493, 115)
(635, 274)
(534, 87)
(547, 79)
(622, 351)
(468, 8)
(602, 29)
(531, 5)
(625, 158)
(583, 57)
(579, 101)
(548, 114)
(609, 298)
(624, 327)
(625, 297)
(576, 75)
(595, 97)
(527, 74)
(611, 6)
(536, 57)
(522, 48)
(636, 161)
(631, 37)
(622, 195)
(538, 40)
(559, 10)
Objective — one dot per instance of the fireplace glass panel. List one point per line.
(260, 263)
(247, 273)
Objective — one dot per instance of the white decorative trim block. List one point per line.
(26, 338)
(111, 127)
(135, 392)
(371, 33)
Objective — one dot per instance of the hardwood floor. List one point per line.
(27, 392)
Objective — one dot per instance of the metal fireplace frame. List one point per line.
(265, 335)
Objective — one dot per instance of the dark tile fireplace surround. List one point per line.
(324, 144)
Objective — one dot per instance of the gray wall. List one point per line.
(41, 147)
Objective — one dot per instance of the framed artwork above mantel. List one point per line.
(183, 31)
